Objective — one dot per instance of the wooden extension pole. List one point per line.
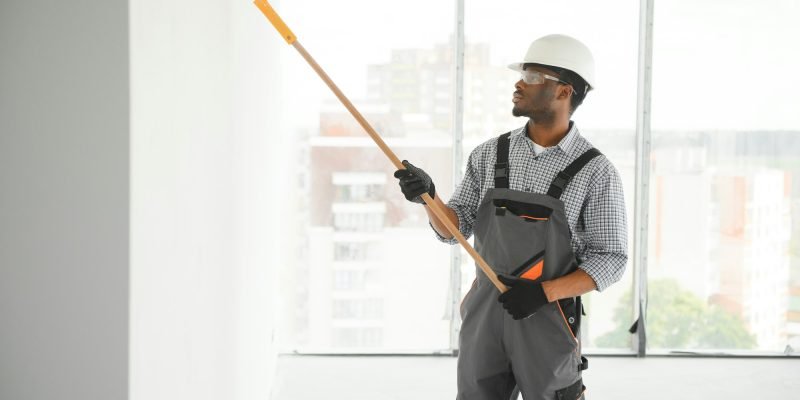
(290, 38)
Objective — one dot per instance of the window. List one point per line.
(368, 266)
(358, 221)
(607, 117)
(355, 251)
(357, 338)
(348, 280)
(723, 263)
(722, 256)
(361, 309)
(358, 187)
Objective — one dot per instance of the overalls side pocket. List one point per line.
(469, 294)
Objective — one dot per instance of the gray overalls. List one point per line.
(522, 234)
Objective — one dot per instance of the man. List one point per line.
(548, 215)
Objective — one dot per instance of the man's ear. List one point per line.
(564, 91)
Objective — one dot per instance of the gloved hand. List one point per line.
(523, 298)
(414, 182)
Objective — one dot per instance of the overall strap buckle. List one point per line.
(559, 183)
(563, 178)
(501, 170)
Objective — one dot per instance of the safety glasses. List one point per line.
(532, 77)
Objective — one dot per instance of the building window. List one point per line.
(359, 309)
(357, 337)
(354, 251)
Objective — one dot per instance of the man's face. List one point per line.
(535, 101)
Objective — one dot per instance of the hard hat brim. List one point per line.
(516, 67)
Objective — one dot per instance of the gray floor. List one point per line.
(653, 378)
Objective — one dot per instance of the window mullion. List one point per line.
(642, 196)
(458, 132)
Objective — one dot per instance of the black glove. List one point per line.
(523, 298)
(414, 182)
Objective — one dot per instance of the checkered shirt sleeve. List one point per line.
(601, 240)
(465, 200)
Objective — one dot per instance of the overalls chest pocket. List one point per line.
(529, 212)
(515, 236)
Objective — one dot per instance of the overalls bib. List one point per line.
(525, 235)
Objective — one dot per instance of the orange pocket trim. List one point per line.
(534, 272)
(534, 218)
(565, 320)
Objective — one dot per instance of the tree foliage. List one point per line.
(678, 319)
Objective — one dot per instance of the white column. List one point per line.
(205, 185)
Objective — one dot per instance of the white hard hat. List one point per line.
(561, 51)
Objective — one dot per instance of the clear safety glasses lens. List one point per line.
(536, 77)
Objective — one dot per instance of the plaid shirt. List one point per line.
(593, 200)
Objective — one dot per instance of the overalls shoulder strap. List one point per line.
(563, 178)
(501, 171)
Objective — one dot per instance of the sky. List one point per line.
(717, 65)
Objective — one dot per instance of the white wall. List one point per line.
(63, 200)
(205, 193)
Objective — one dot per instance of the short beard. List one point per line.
(543, 116)
(517, 112)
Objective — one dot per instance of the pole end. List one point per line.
(276, 20)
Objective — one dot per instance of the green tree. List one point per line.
(678, 319)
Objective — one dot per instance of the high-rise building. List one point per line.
(372, 267)
(418, 84)
(723, 231)
(680, 234)
(753, 252)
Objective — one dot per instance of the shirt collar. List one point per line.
(567, 144)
